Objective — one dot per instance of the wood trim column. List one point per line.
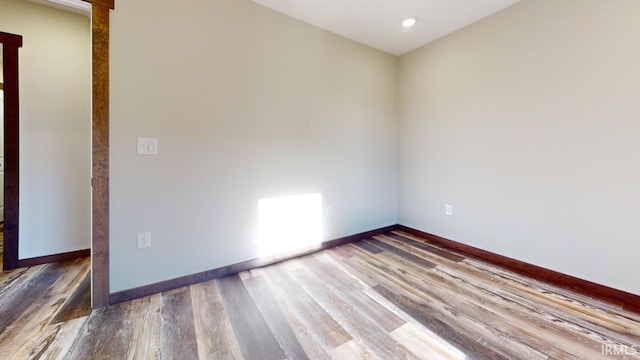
(11, 43)
(100, 153)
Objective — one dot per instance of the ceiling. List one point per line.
(76, 6)
(378, 23)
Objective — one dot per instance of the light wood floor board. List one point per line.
(393, 296)
(213, 328)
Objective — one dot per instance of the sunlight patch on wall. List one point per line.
(289, 223)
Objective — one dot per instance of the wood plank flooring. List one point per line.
(390, 297)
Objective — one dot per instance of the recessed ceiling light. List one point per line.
(410, 21)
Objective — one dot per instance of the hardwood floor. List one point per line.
(39, 305)
(391, 297)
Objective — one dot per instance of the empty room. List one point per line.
(320, 179)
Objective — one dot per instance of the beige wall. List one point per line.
(527, 123)
(247, 104)
(55, 127)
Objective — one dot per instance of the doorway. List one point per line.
(53, 139)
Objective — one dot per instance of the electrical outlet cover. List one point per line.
(144, 240)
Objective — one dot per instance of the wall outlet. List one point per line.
(328, 211)
(147, 146)
(144, 240)
(448, 210)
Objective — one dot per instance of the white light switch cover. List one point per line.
(147, 146)
(448, 210)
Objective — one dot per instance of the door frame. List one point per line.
(100, 10)
(10, 45)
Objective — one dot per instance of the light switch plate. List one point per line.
(448, 209)
(147, 146)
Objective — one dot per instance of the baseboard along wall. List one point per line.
(617, 297)
(54, 258)
(175, 283)
(625, 300)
